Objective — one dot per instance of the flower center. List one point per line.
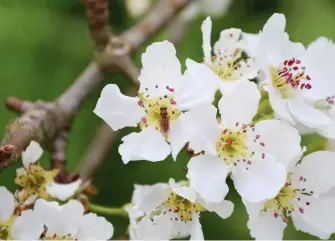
(6, 229)
(182, 207)
(290, 77)
(231, 66)
(288, 200)
(33, 180)
(160, 111)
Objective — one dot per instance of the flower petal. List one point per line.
(116, 109)
(149, 144)
(252, 43)
(198, 86)
(62, 191)
(160, 67)
(183, 191)
(264, 226)
(159, 229)
(31, 154)
(224, 209)
(306, 114)
(241, 105)
(28, 226)
(206, 29)
(7, 204)
(152, 196)
(208, 171)
(301, 225)
(279, 105)
(202, 131)
(176, 137)
(327, 131)
(260, 180)
(196, 228)
(318, 60)
(95, 228)
(317, 168)
(280, 140)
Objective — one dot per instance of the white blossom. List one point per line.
(307, 197)
(63, 191)
(137, 8)
(295, 77)
(211, 8)
(167, 211)
(228, 64)
(163, 96)
(252, 153)
(68, 221)
(26, 226)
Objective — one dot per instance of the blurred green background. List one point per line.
(44, 45)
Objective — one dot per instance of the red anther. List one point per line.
(291, 62)
(244, 126)
(144, 120)
(308, 86)
(285, 220)
(295, 68)
(258, 136)
(224, 131)
(252, 125)
(263, 155)
(177, 210)
(275, 214)
(308, 203)
(172, 102)
(287, 184)
(297, 61)
(302, 85)
(249, 162)
(229, 142)
(285, 62)
(308, 78)
(237, 124)
(301, 210)
(140, 103)
(300, 178)
(171, 89)
(262, 144)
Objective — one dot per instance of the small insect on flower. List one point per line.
(164, 119)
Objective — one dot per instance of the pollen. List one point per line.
(33, 180)
(290, 77)
(159, 112)
(182, 207)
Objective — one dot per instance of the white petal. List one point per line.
(214, 8)
(261, 180)
(241, 105)
(198, 86)
(206, 29)
(224, 209)
(327, 131)
(306, 114)
(320, 214)
(62, 191)
(183, 191)
(252, 43)
(208, 171)
(196, 229)
(152, 196)
(301, 225)
(202, 131)
(149, 144)
(7, 204)
(176, 137)
(116, 109)
(317, 168)
(279, 139)
(279, 105)
(95, 228)
(160, 67)
(159, 229)
(31, 154)
(264, 226)
(28, 226)
(318, 60)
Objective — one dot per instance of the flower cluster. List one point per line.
(34, 211)
(270, 90)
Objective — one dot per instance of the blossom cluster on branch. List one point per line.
(240, 113)
(271, 90)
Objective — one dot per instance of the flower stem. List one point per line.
(107, 210)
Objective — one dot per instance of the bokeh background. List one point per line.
(45, 44)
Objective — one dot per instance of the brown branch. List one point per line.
(44, 121)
